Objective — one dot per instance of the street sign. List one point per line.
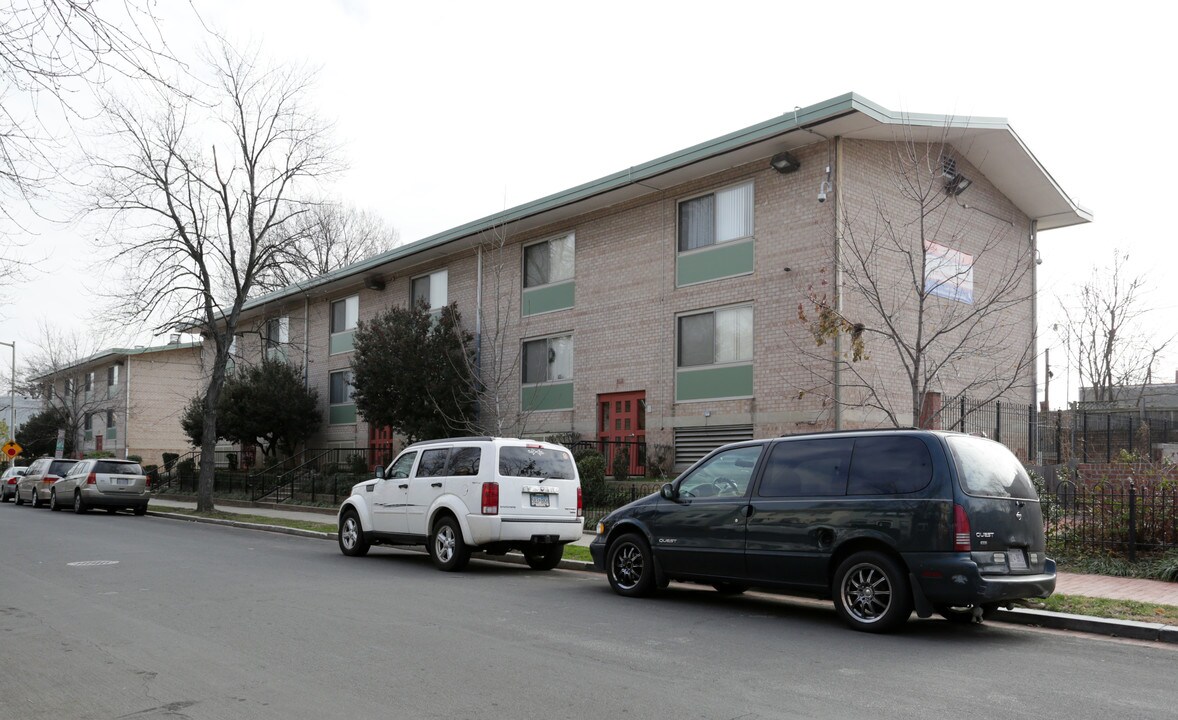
(59, 451)
(11, 449)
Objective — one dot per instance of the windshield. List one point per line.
(536, 462)
(988, 469)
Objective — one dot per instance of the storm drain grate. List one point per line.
(92, 563)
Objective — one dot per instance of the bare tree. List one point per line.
(329, 236)
(1107, 334)
(46, 376)
(203, 198)
(907, 297)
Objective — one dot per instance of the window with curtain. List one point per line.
(549, 261)
(344, 314)
(548, 360)
(432, 289)
(719, 217)
(718, 336)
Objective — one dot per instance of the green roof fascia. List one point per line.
(116, 352)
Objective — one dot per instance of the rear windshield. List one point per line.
(535, 462)
(117, 468)
(61, 467)
(988, 469)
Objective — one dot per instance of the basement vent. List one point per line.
(692, 443)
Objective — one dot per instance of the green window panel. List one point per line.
(713, 263)
(341, 414)
(342, 342)
(112, 433)
(550, 396)
(714, 382)
(549, 298)
(89, 435)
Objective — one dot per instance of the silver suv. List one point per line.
(106, 483)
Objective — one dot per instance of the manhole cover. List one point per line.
(92, 563)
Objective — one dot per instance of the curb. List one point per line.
(1154, 632)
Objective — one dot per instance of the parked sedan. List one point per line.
(9, 480)
(106, 483)
(40, 476)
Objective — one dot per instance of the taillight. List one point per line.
(490, 498)
(961, 541)
(147, 481)
(49, 479)
(91, 479)
(580, 507)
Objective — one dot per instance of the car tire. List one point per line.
(351, 535)
(965, 614)
(871, 592)
(140, 510)
(53, 501)
(79, 504)
(545, 559)
(629, 565)
(730, 588)
(19, 500)
(446, 547)
(36, 501)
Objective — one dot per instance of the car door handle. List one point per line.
(403, 485)
(435, 484)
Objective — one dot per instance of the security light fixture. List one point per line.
(784, 163)
(955, 182)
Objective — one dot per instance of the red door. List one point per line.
(380, 440)
(621, 424)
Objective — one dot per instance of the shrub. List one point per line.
(98, 454)
(621, 464)
(591, 467)
(660, 461)
(135, 458)
(170, 460)
(231, 459)
(358, 464)
(186, 469)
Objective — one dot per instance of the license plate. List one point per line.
(122, 481)
(1018, 561)
(539, 500)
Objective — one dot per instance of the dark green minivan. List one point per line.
(884, 522)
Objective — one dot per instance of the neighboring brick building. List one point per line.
(129, 401)
(662, 301)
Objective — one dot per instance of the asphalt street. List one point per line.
(114, 616)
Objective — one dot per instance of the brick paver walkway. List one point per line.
(1117, 588)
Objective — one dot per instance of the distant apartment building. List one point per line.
(661, 303)
(128, 401)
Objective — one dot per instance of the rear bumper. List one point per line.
(487, 529)
(130, 500)
(957, 580)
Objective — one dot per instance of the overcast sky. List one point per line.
(451, 111)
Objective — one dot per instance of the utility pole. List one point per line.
(1047, 379)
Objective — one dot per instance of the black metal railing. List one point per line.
(1012, 424)
(1096, 437)
(1122, 519)
(601, 502)
(634, 453)
(325, 475)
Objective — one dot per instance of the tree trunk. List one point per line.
(208, 443)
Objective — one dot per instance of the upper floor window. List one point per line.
(110, 418)
(715, 337)
(275, 337)
(89, 381)
(716, 218)
(431, 289)
(548, 359)
(112, 376)
(550, 261)
(70, 386)
(341, 387)
(88, 420)
(344, 314)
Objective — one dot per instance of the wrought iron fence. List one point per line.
(612, 497)
(326, 475)
(634, 451)
(1011, 424)
(1101, 436)
(1124, 520)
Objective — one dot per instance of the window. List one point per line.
(233, 346)
(89, 381)
(550, 261)
(535, 463)
(431, 289)
(888, 465)
(433, 462)
(112, 376)
(110, 418)
(807, 468)
(275, 337)
(721, 336)
(89, 421)
(727, 473)
(465, 461)
(341, 387)
(988, 469)
(720, 217)
(69, 387)
(399, 470)
(548, 360)
(344, 314)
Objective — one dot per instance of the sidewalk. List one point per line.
(1100, 586)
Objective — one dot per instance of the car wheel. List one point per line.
(544, 559)
(19, 499)
(79, 503)
(351, 535)
(871, 593)
(36, 501)
(140, 510)
(966, 614)
(630, 566)
(446, 546)
(730, 588)
(53, 501)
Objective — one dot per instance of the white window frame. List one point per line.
(349, 388)
(351, 314)
(439, 289)
(749, 219)
(548, 375)
(571, 238)
(272, 345)
(739, 359)
(112, 376)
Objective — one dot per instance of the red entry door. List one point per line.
(380, 439)
(621, 423)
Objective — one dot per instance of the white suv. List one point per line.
(464, 494)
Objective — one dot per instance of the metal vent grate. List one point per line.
(693, 443)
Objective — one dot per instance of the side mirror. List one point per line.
(668, 492)
(380, 473)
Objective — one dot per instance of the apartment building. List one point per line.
(678, 301)
(128, 401)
